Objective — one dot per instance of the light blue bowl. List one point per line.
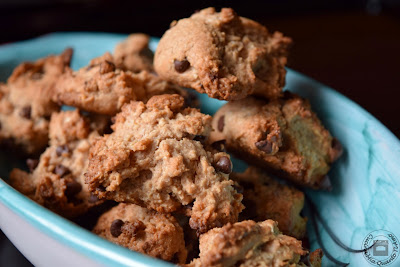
(366, 179)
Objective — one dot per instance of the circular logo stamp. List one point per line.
(383, 248)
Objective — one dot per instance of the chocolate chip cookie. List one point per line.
(146, 231)
(223, 55)
(26, 105)
(282, 135)
(249, 243)
(155, 158)
(265, 198)
(134, 54)
(103, 88)
(56, 181)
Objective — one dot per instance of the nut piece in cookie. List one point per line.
(133, 53)
(103, 88)
(248, 243)
(265, 198)
(26, 105)
(146, 231)
(154, 159)
(283, 136)
(56, 181)
(223, 55)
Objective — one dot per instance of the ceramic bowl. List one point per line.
(366, 179)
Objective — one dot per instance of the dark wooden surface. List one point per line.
(350, 45)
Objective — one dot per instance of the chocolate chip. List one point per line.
(32, 164)
(106, 67)
(219, 145)
(115, 228)
(93, 198)
(221, 123)
(181, 66)
(223, 165)
(73, 188)
(61, 150)
(264, 146)
(26, 112)
(61, 170)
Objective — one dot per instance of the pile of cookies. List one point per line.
(137, 139)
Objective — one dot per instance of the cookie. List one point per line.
(248, 243)
(102, 88)
(223, 55)
(282, 135)
(155, 158)
(133, 54)
(26, 105)
(265, 198)
(146, 231)
(56, 180)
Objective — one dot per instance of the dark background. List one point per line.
(350, 45)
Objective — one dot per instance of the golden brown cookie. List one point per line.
(102, 88)
(133, 53)
(146, 231)
(223, 55)
(265, 198)
(282, 135)
(56, 181)
(26, 105)
(248, 243)
(154, 159)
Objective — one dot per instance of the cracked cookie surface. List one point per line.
(223, 55)
(154, 159)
